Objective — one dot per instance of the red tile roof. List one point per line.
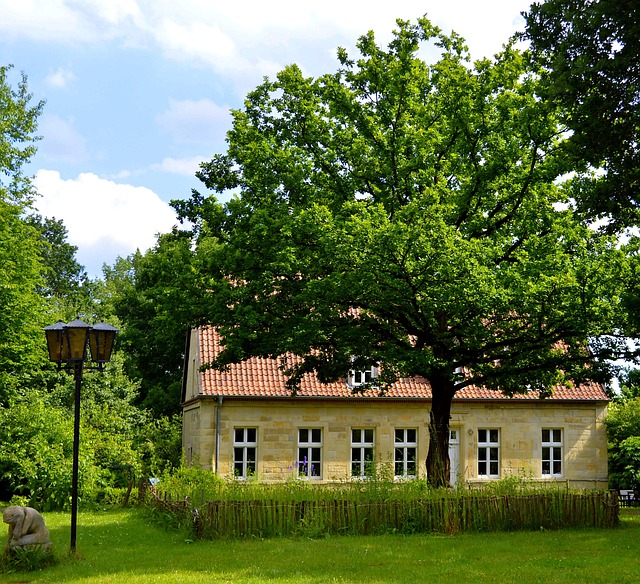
(262, 378)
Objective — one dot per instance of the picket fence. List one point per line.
(449, 515)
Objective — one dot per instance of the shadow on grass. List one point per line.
(120, 546)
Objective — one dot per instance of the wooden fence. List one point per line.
(314, 518)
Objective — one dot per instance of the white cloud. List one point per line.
(71, 21)
(104, 219)
(59, 78)
(232, 38)
(199, 121)
(61, 141)
(185, 166)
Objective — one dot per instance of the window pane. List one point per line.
(303, 435)
(356, 454)
(399, 434)
(494, 468)
(482, 454)
(355, 435)
(493, 436)
(251, 434)
(316, 435)
(482, 468)
(545, 453)
(482, 435)
(239, 435)
(545, 435)
(546, 467)
(557, 467)
(411, 435)
(251, 454)
(368, 436)
(493, 453)
(557, 436)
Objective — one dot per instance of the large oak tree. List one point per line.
(408, 214)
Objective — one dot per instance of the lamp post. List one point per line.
(68, 343)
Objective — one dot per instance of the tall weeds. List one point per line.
(209, 507)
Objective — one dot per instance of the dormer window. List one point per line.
(358, 377)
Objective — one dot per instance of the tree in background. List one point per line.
(64, 281)
(153, 296)
(18, 124)
(623, 431)
(22, 310)
(590, 53)
(406, 214)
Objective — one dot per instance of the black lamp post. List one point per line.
(67, 343)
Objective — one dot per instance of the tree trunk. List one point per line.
(438, 463)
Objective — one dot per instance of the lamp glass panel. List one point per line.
(101, 341)
(54, 344)
(77, 343)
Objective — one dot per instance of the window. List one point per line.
(405, 452)
(359, 377)
(244, 452)
(489, 453)
(361, 452)
(310, 453)
(552, 452)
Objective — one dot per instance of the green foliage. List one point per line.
(36, 440)
(22, 314)
(623, 431)
(29, 559)
(64, 281)
(590, 51)
(154, 296)
(159, 444)
(410, 214)
(247, 509)
(36, 459)
(18, 124)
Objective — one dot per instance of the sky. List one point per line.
(138, 92)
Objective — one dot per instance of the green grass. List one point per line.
(121, 546)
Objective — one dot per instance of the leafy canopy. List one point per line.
(590, 52)
(402, 212)
(406, 213)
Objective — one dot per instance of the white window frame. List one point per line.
(489, 453)
(245, 447)
(310, 453)
(402, 447)
(362, 452)
(552, 452)
(359, 377)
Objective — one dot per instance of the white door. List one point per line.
(454, 456)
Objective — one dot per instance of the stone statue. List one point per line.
(26, 528)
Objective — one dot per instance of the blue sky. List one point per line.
(138, 92)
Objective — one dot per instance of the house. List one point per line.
(244, 422)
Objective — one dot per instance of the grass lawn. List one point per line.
(120, 546)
